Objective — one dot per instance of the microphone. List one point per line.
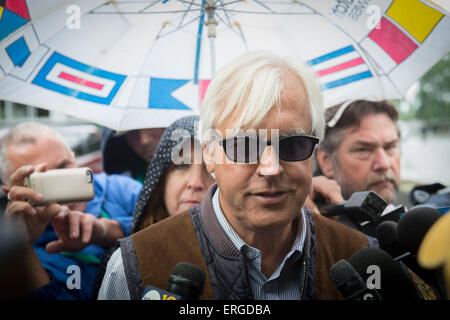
(186, 282)
(364, 211)
(395, 280)
(411, 230)
(413, 226)
(350, 282)
(386, 233)
(362, 206)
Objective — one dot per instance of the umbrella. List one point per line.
(133, 64)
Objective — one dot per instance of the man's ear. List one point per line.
(325, 163)
(209, 157)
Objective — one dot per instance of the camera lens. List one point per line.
(89, 176)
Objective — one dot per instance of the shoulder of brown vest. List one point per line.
(162, 245)
(334, 241)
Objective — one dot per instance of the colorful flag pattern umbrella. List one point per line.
(135, 64)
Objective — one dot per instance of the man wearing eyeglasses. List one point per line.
(261, 119)
(361, 148)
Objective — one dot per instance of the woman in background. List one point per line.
(169, 188)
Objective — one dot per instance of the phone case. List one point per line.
(62, 185)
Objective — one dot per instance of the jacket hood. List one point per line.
(161, 160)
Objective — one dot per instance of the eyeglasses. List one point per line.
(250, 149)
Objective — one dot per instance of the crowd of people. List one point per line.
(237, 191)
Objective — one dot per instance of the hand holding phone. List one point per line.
(62, 185)
(33, 220)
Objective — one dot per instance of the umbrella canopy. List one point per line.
(137, 64)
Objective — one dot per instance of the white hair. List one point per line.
(23, 134)
(249, 86)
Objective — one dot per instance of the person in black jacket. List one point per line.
(129, 153)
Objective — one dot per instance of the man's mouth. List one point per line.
(381, 183)
(268, 197)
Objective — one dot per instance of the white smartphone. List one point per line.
(62, 185)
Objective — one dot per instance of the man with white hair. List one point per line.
(61, 239)
(261, 118)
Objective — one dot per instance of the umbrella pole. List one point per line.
(212, 45)
(211, 25)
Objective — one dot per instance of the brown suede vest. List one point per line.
(161, 246)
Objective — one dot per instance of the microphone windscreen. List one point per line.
(386, 233)
(413, 226)
(187, 280)
(341, 271)
(190, 271)
(346, 278)
(394, 283)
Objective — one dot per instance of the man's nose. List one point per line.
(382, 161)
(144, 137)
(269, 163)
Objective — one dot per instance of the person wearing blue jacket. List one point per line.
(65, 242)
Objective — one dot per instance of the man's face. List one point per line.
(269, 193)
(47, 149)
(368, 158)
(144, 141)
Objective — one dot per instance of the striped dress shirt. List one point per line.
(285, 283)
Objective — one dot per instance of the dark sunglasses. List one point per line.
(250, 149)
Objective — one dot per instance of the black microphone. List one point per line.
(362, 206)
(395, 280)
(350, 282)
(186, 282)
(386, 233)
(413, 226)
(411, 230)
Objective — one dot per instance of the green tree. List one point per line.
(433, 98)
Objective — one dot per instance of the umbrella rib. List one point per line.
(185, 14)
(271, 11)
(268, 13)
(230, 26)
(239, 34)
(228, 3)
(226, 14)
(156, 12)
(150, 5)
(182, 26)
(264, 6)
(190, 3)
(243, 37)
(100, 5)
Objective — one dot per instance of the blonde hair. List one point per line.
(249, 86)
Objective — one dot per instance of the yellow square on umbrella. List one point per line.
(415, 17)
